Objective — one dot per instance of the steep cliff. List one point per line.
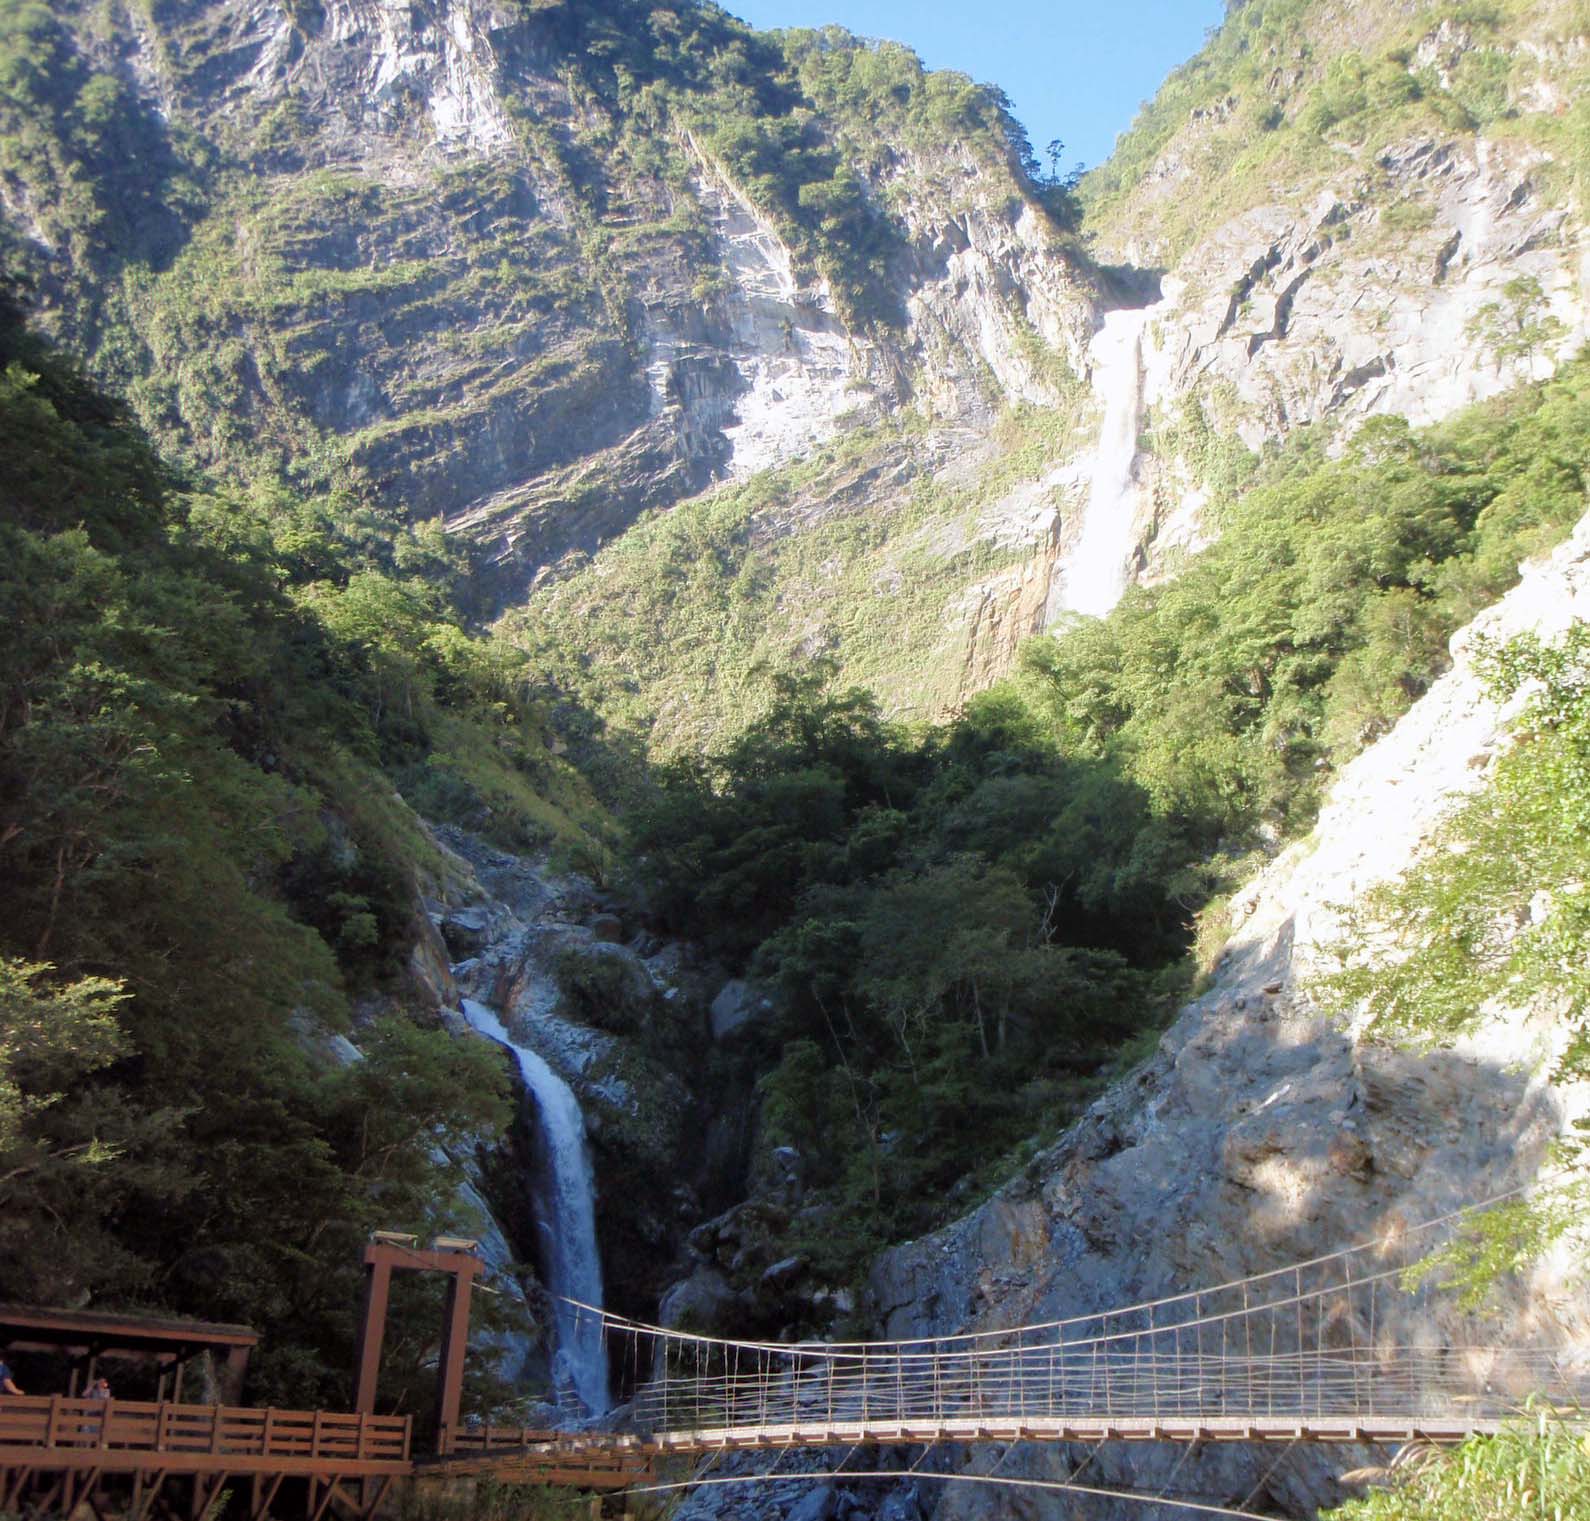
(1352, 210)
(526, 267)
(1332, 213)
(534, 270)
(1258, 1135)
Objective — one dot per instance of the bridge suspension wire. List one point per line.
(1323, 1340)
(952, 1478)
(1381, 1243)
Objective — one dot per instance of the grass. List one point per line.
(675, 629)
(1539, 1467)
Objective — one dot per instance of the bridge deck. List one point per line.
(1105, 1428)
(611, 1461)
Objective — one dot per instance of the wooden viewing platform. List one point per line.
(57, 1453)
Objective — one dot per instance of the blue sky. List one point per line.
(1075, 69)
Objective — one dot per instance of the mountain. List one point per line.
(684, 538)
(535, 271)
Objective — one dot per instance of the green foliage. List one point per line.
(1221, 463)
(1539, 1466)
(674, 630)
(1288, 93)
(67, 137)
(1497, 1244)
(1519, 327)
(1228, 693)
(956, 923)
(1496, 908)
(494, 1500)
(198, 695)
(1494, 915)
(1356, 93)
(58, 1145)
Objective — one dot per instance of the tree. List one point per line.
(1519, 327)
(65, 1149)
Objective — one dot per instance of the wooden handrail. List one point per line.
(46, 1421)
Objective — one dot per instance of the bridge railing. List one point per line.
(57, 1422)
(1338, 1336)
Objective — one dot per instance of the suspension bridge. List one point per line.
(1335, 1349)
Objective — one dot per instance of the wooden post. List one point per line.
(233, 1375)
(450, 1366)
(372, 1331)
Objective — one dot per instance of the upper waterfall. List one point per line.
(565, 1195)
(1095, 575)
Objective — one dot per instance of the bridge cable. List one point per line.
(966, 1478)
(1292, 1270)
(1268, 1473)
(1187, 1451)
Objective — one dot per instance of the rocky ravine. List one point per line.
(1257, 1136)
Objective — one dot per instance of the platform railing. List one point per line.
(58, 1422)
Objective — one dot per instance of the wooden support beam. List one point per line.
(264, 1495)
(372, 1495)
(316, 1511)
(206, 1490)
(450, 1365)
(93, 1498)
(372, 1331)
(146, 1502)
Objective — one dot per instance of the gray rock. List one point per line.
(466, 931)
(901, 1505)
(784, 1272)
(702, 1302)
(817, 1505)
(785, 1167)
(738, 1005)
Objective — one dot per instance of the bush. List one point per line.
(1538, 1467)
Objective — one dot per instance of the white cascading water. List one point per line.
(1096, 569)
(565, 1211)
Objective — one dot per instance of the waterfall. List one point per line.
(565, 1198)
(1095, 573)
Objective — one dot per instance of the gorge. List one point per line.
(865, 741)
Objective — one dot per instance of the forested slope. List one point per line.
(207, 866)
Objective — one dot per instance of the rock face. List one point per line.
(624, 1027)
(421, 241)
(440, 255)
(1257, 1136)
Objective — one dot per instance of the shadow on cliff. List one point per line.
(1256, 1138)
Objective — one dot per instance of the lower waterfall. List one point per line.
(565, 1198)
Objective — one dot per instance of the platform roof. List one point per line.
(33, 1328)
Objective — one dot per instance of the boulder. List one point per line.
(702, 1302)
(466, 931)
(738, 1006)
(781, 1274)
(818, 1504)
(901, 1505)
